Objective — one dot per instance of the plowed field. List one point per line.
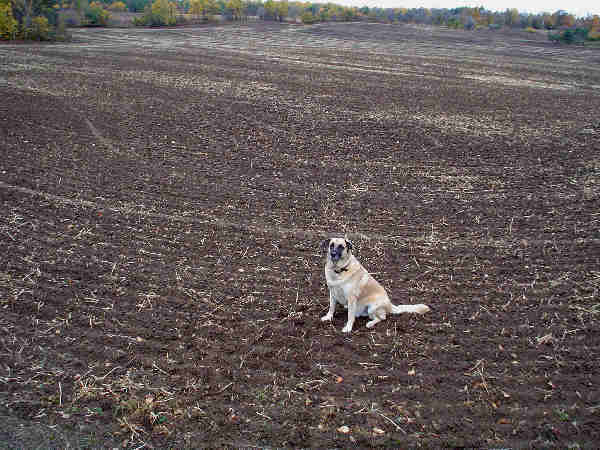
(164, 193)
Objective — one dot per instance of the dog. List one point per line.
(351, 285)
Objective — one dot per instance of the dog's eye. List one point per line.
(341, 248)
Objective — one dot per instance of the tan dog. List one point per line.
(352, 286)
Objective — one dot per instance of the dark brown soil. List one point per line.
(164, 194)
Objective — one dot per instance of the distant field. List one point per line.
(164, 193)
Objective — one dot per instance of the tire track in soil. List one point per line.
(300, 233)
(99, 135)
(217, 221)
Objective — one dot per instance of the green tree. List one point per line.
(204, 8)
(270, 9)
(307, 17)
(163, 12)
(235, 8)
(8, 24)
(95, 15)
(160, 13)
(511, 17)
(80, 5)
(40, 29)
(570, 36)
(281, 10)
(25, 10)
(137, 5)
(348, 13)
(117, 6)
(324, 14)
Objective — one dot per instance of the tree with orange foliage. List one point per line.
(563, 19)
(592, 21)
(593, 24)
(549, 22)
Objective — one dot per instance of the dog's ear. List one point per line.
(349, 244)
(325, 245)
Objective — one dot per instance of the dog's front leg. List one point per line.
(329, 315)
(352, 305)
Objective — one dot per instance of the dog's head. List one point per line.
(337, 248)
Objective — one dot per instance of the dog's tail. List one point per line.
(418, 309)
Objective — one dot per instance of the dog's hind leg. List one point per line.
(377, 316)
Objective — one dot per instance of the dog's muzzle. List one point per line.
(335, 255)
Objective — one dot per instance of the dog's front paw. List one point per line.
(347, 329)
(326, 318)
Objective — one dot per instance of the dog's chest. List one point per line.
(338, 294)
(341, 297)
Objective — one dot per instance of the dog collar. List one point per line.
(343, 269)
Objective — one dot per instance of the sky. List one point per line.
(576, 7)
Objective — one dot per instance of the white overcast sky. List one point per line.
(576, 7)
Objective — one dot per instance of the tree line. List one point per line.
(49, 19)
